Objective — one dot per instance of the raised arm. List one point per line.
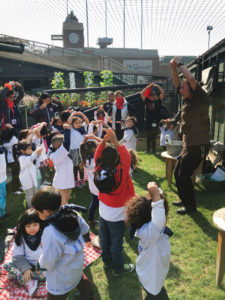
(19, 93)
(187, 74)
(176, 78)
(85, 118)
(69, 121)
(161, 91)
(142, 93)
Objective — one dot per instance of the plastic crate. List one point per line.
(212, 185)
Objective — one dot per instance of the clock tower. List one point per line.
(73, 32)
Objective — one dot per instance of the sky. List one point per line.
(173, 27)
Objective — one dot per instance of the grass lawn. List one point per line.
(193, 245)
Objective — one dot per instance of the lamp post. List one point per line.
(209, 28)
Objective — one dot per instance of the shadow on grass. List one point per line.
(141, 178)
(128, 283)
(204, 224)
(174, 271)
(210, 200)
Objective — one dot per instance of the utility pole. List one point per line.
(87, 25)
(124, 21)
(67, 7)
(106, 21)
(141, 23)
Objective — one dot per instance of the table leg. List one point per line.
(169, 171)
(220, 260)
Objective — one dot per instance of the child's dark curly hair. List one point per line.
(134, 158)
(139, 210)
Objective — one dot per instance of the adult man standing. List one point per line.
(196, 134)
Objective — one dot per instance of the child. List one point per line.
(26, 251)
(28, 169)
(63, 179)
(95, 128)
(87, 151)
(41, 132)
(167, 127)
(102, 118)
(148, 216)
(9, 139)
(3, 178)
(77, 134)
(62, 246)
(115, 189)
(57, 124)
(134, 161)
(129, 139)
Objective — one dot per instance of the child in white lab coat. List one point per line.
(63, 180)
(129, 139)
(28, 169)
(148, 216)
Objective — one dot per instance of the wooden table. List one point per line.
(170, 164)
(219, 221)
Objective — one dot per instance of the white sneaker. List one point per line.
(31, 286)
(47, 183)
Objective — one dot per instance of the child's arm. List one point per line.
(69, 121)
(21, 263)
(66, 141)
(158, 210)
(90, 127)
(38, 129)
(125, 158)
(85, 118)
(92, 137)
(84, 228)
(19, 260)
(100, 148)
(25, 161)
(128, 134)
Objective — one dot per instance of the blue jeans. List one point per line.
(2, 198)
(111, 239)
(92, 208)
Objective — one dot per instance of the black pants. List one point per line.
(119, 132)
(162, 295)
(85, 287)
(77, 169)
(151, 135)
(187, 162)
(15, 184)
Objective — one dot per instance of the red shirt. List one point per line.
(125, 191)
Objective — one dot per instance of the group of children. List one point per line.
(51, 235)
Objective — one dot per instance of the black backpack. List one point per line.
(107, 180)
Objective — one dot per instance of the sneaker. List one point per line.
(77, 184)
(82, 183)
(177, 203)
(31, 286)
(46, 182)
(127, 268)
(185, 211)
(18, 193)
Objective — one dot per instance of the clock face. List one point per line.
(74, 38)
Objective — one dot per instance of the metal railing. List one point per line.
(69, 57)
